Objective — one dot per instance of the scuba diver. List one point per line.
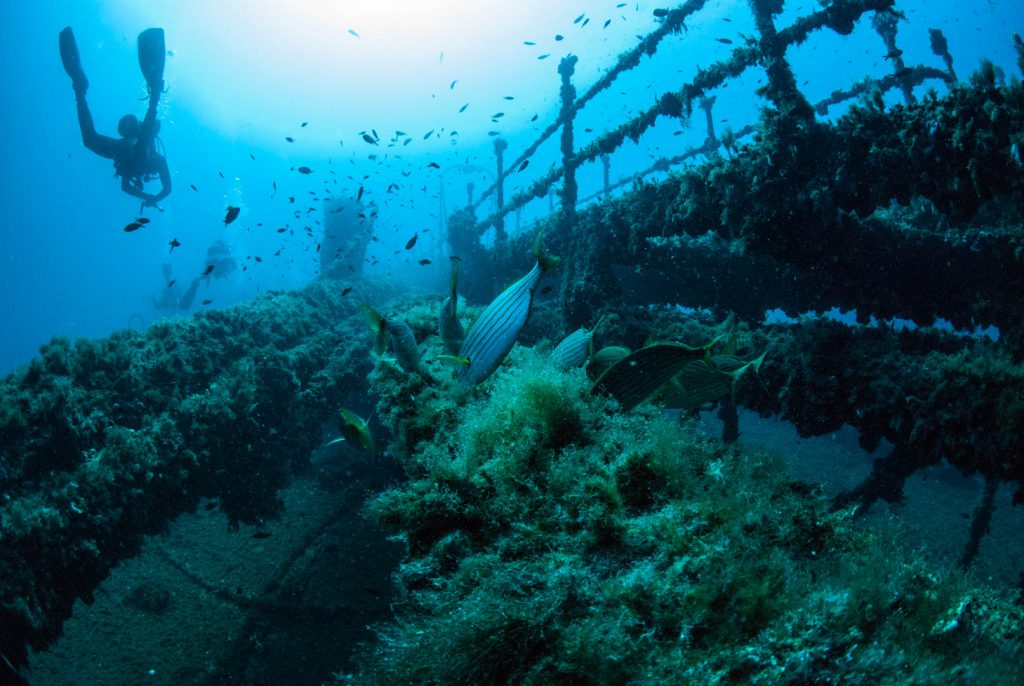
(138, 155)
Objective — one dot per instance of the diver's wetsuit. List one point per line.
(134, 158)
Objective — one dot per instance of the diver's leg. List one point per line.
(104, 146)
(101, 145)
(151, 61)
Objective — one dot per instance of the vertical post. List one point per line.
(711, 141)
(587, 282)
(781, 88)
(500, 237)
(941, 48)
(566, 68)
(606, 164)
(885, 25)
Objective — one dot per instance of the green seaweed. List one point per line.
(554, 540)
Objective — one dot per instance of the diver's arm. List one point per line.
(165, 181)
(165, 187)
(130, 189)
(104, 146)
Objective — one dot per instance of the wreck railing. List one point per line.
(827, 246)
(840, 16)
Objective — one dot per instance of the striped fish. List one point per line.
(705, 381)
(493, 334)
(448, 324)
(574, 349)
(635, 377)
(698, 383)
(398, 334)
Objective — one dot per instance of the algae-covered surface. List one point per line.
(552, 539)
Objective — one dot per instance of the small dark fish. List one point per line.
(559, 37)
(578, 19)
(352, 32)
(606, 22)
(369, 139)
(304, 124)
(428, 134)
(544, 56)
(291, 199)
(207, 301)
(528, 42)
(282, 230)
(142, 220)
(497, 115)
(463, 108)
(494, 133)
(304, 170)
(174, 244)
(346, 290)
(533, 118)
(257, 258)
(220, 174)
(585, 22)
(134, 226)
(412, 241)
(193, 187)
(209, 269)
(724, 41)
(524, 165)
(424, 261)
(453, 84)
(359, 196)
(289, 139)
(435, 165)
(232, 214)
(509, 97)
(171, 282)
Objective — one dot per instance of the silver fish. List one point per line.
(574, 349)
(493, 334)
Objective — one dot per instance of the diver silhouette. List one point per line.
(138, 154)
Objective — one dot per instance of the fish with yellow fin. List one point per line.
(355, 430)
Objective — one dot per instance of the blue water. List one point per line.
(242, 76)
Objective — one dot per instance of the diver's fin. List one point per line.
(72, 62)
(152, 55)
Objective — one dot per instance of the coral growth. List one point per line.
(103, 441)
